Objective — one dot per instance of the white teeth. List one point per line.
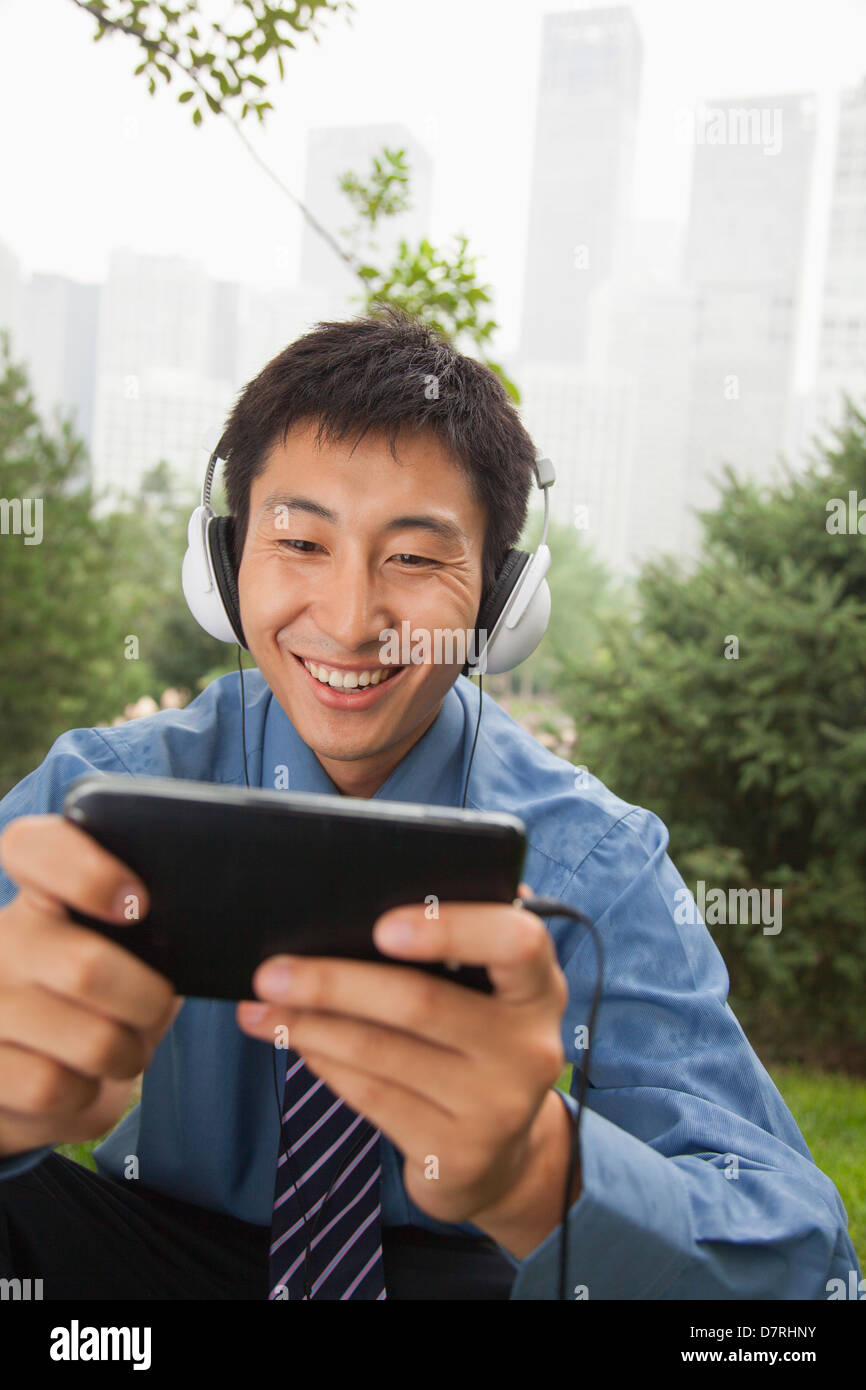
(347, 680)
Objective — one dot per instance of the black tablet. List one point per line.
(236, 875)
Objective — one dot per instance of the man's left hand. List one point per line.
(459, 1081)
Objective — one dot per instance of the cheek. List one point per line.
(266, 599)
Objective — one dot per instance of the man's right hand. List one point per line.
(80, 1017)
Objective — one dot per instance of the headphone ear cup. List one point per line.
(492, 606)
(200, 590)
(515, 642)
(220, 540)
(510, 571)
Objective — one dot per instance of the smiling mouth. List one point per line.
(348, 680)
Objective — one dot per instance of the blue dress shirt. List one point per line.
(697, 1183)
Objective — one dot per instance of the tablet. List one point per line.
(239, 874)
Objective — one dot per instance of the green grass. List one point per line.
(79, 1153)
(830, 1111)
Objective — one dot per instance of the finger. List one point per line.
(59, 863)
(397, 996)
(387, 1053)
(514, 945)
(80, 965)
(39, 1088)
(91, 1121)
(84, 1041)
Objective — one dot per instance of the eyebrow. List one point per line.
(438, 526)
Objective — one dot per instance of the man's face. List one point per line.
(338, 549)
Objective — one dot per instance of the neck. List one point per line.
(363, 777)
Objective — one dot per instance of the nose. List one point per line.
(350, 606)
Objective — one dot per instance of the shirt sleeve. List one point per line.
(697, 1183)
(40, 793)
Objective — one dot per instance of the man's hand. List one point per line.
(80, 1017)
(459, 1081)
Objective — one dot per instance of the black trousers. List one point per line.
(87, 1236)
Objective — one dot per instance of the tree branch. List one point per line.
(156, 46)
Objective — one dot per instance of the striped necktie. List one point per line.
(326, 1197)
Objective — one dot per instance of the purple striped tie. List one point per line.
(326, 1197)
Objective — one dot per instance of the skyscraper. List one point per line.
(584, 421)
(641, 331)
(751, 186)
(52, 322)
(156, 392)
(582, 174)
(59, 339)
(333, 151)
(842, 339)
(174, 348)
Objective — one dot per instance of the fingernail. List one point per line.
(277, 977)
(396, 931)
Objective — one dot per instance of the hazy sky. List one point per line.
(91, 161)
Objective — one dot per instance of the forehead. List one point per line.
(364, 472)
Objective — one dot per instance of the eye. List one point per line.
(420, 560)
(291, 544)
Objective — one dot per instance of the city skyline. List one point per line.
(151, 182)
(670, 348)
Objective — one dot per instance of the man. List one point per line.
(363, 499)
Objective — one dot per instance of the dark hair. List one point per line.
(376, 372)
